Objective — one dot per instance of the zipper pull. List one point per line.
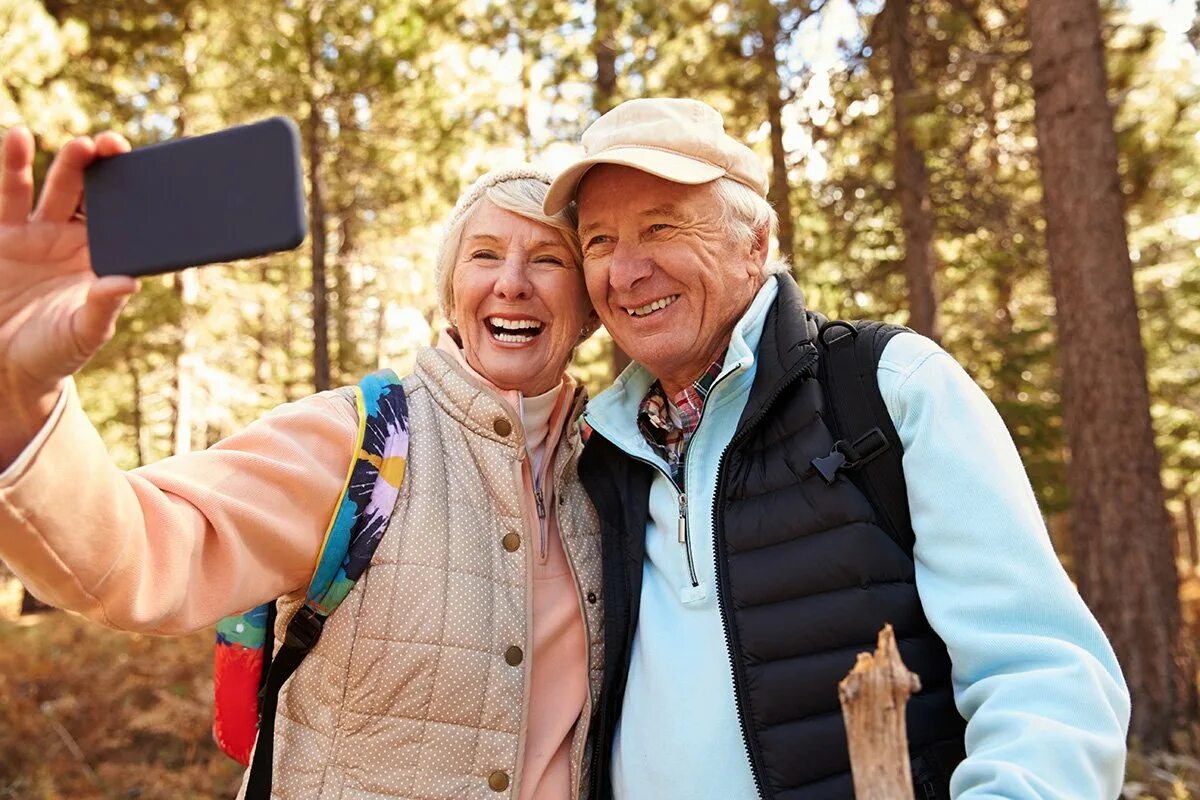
(682, 518)
(541, 506)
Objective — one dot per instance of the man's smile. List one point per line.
(651, 307)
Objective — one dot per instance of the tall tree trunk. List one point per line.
(912, 177)
(316, 212)
(1191, 536)
(139, 424)
(604, 48)
(779, 194)
(347, 350)
(1123, 541)
(186, 283)
(187, 363)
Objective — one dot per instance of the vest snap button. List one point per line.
(591, 597)
(498, 780)
(513, 656)
(511, 542)
(501, 426)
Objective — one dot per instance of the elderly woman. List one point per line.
(462, 664)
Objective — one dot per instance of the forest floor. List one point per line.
(94, 714)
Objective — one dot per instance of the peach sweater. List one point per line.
(175, 546)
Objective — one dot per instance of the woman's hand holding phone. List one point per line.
(55, 313)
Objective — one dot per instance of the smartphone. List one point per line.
(238, 193)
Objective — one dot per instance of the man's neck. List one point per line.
(675, 384)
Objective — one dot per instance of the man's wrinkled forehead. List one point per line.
(608, 188)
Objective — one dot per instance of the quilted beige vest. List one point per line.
(408, 693)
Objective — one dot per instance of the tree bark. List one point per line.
(912, 178)
(1123, 542)
(347, 347)
(139, 425)
(317, 215)
(187, 363)
(779, 194)
(873, 697)
(605, 51)
(1191, 536)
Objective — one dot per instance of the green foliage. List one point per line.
(409, 101)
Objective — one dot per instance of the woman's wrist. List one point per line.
(22, 416)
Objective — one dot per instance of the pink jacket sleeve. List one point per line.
(175, 546)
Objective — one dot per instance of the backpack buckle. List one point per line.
(304, 629)
(846, 455)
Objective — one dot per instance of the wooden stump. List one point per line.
(873, 696)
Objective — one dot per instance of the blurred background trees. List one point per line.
(903, 141)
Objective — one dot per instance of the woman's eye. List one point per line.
(483, 254)
(553, 261)
(658, 227)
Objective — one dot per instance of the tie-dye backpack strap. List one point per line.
(246, 679)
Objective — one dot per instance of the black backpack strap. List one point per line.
(867, 447)
(303, 631)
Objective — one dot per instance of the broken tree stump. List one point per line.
(874, 695)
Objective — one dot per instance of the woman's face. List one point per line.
(520, 302)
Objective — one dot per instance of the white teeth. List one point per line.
(649, 308)
(515, 324)
(513, 337)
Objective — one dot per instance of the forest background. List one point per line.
(913, 147)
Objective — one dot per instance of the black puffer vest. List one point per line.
(806, 578)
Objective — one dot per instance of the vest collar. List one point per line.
(786, 351)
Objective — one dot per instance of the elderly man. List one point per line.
(744, 568)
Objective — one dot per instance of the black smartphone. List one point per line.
(237, 193)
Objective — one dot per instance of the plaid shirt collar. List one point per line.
(667, 426)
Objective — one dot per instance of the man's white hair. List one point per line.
(746, 213)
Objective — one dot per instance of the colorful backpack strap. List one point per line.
(251, 691)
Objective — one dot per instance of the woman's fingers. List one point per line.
(64, 182)
(16, 176)
(111, 143)
(95, 321)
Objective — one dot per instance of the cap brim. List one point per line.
(661, 163)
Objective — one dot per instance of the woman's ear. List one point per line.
(590, 325)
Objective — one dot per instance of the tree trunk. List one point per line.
(1191, 536)
(605, 51)
(873, 697)
(347, 349)
(912, 178)
(1123, 542)
(317, 217)
(603, 95)
(139, 424)
(779, 193)
(187, 363)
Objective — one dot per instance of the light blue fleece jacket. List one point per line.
(1033, 674)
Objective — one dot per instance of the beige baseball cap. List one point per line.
(674, 138)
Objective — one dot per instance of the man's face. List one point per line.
(666, 277)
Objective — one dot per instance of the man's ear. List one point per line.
(760, 246)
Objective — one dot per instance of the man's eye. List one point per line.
(596, 241)
(658, 227)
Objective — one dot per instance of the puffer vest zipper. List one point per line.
(806, 578)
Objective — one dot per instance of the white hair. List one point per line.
(746, 214)
(520, 191)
